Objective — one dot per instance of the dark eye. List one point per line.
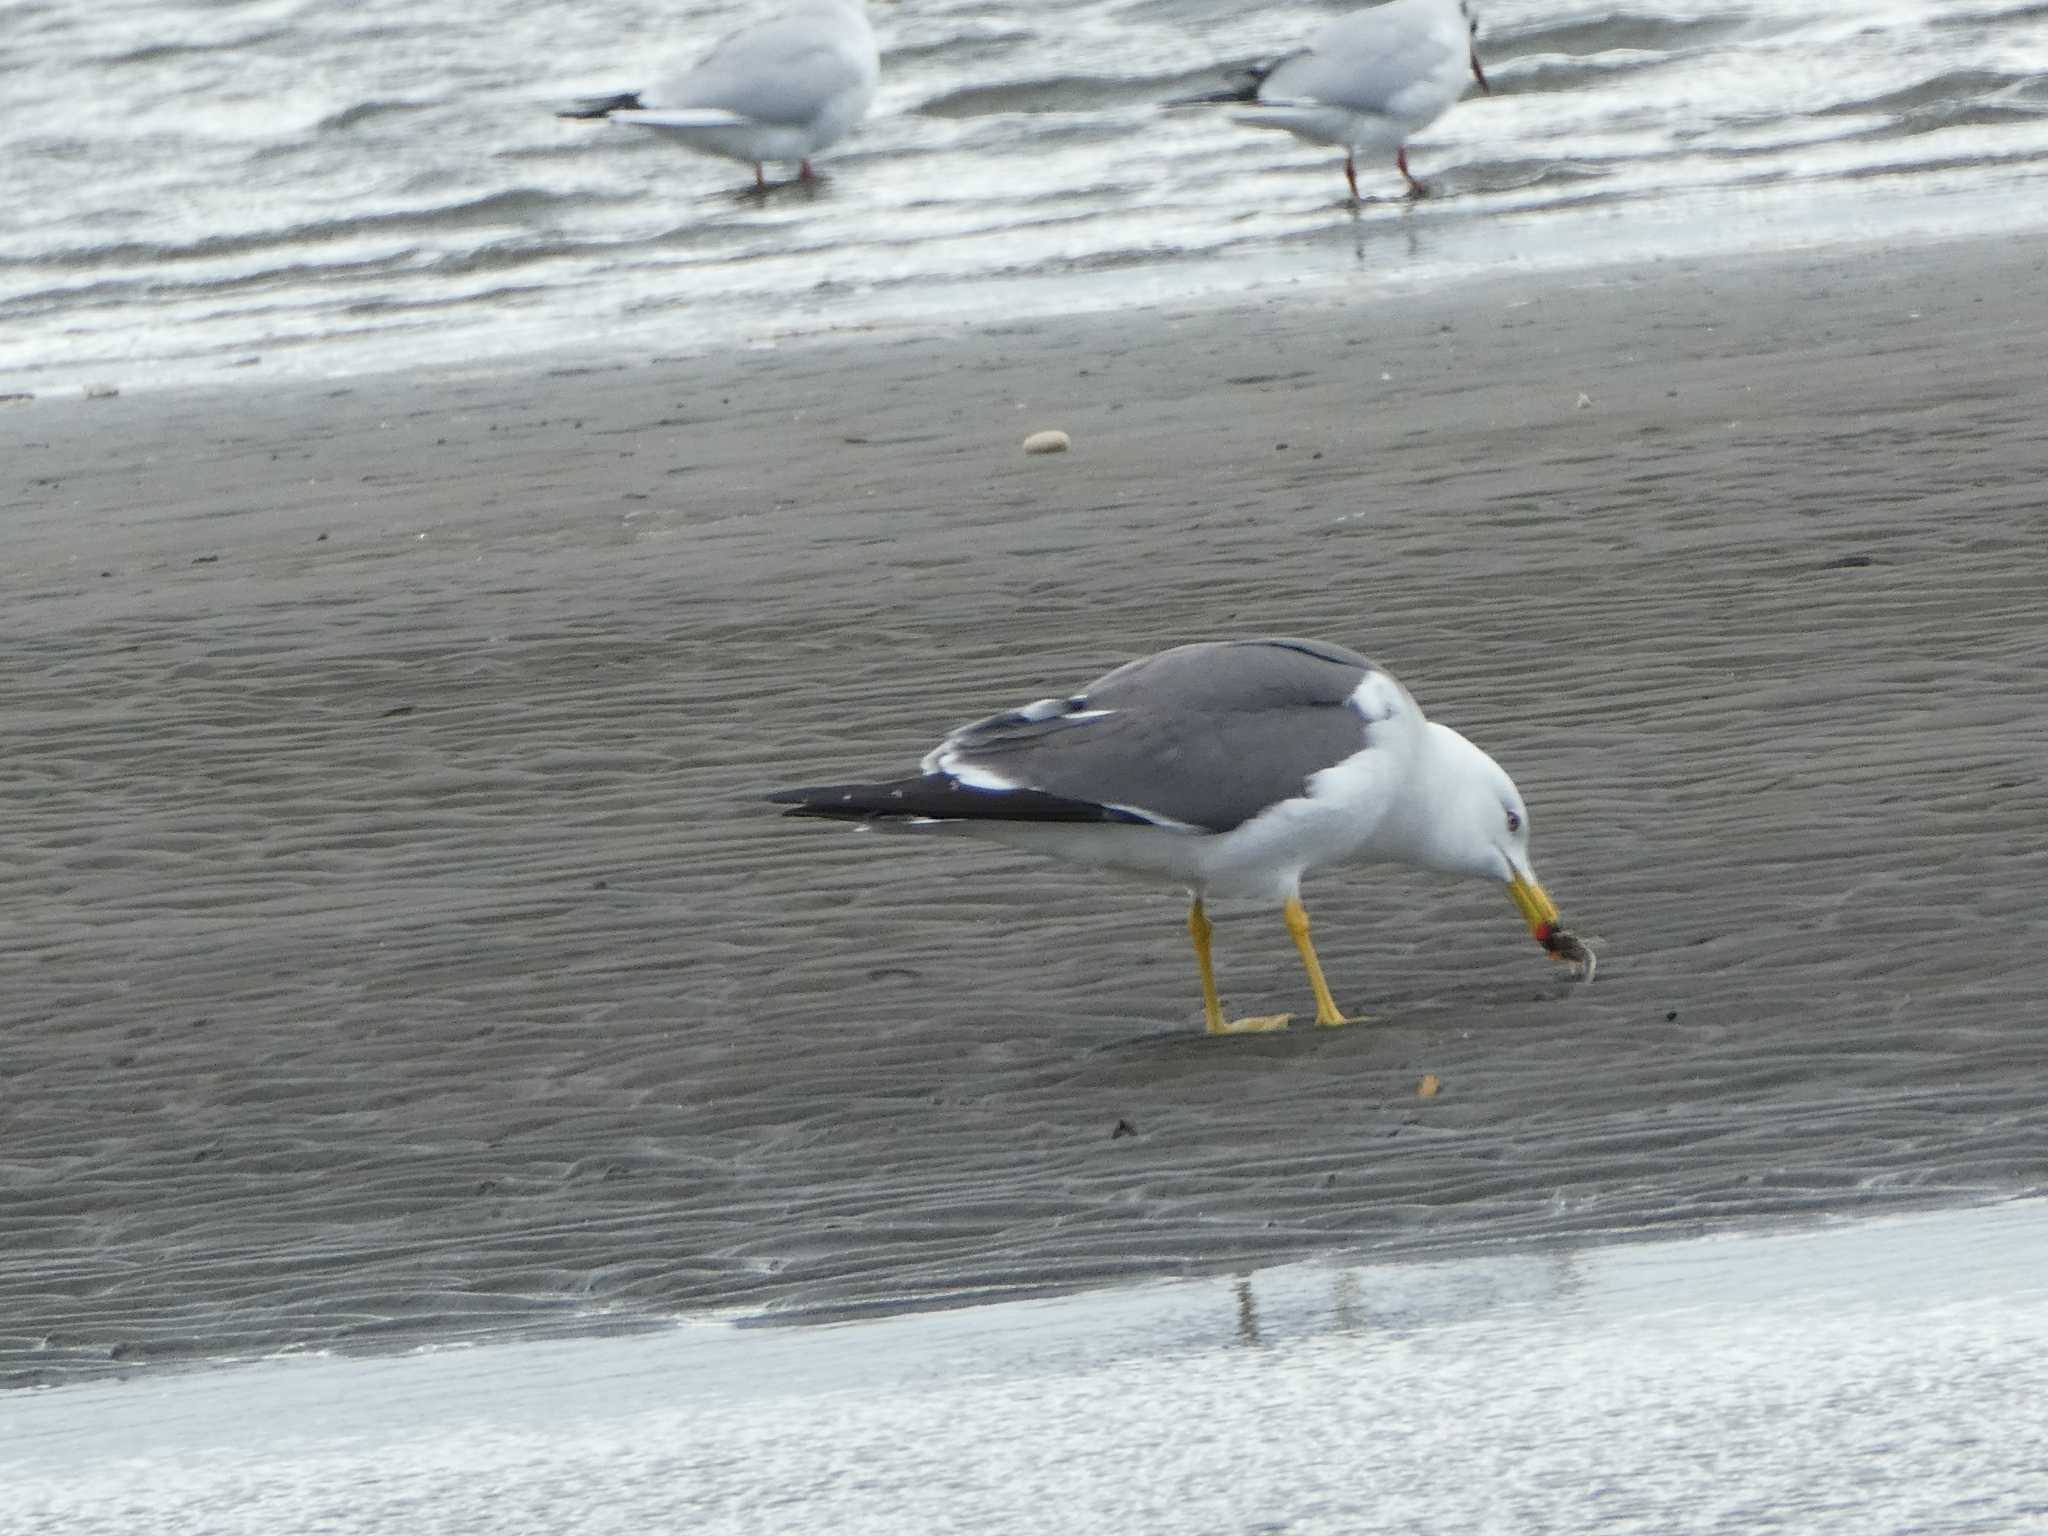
(1514, 822)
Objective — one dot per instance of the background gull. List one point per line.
(1231, 768)
(1370, 80)
(780, 90)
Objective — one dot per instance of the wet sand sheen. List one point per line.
(396, 951)
(1870, 1375)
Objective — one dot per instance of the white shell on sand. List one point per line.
(1048, 442)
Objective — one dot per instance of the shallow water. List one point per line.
(203, 190)
(1877, 1377)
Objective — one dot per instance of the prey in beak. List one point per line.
(1540, 913)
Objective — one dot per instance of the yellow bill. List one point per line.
(1535, 905)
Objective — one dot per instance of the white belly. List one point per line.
(1262, 860)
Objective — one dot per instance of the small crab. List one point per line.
(1567, 947)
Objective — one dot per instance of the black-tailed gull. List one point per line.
(1231, 768)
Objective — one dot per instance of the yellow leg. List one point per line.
(1297, 926)
(1200, 930)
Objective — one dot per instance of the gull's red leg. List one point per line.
(1415, 188)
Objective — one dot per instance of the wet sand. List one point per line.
(394, 951)
(1878, 1376)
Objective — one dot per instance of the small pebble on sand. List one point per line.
(1048, 442)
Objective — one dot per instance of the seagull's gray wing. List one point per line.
(781, 72)
(1365, 62)
(1205, 736)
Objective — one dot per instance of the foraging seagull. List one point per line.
(1232, 768)
(1371, 80)
(780, 90)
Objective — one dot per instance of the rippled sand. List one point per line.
(395, 949)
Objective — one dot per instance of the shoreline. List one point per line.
(964, 318)
(1630, 1375)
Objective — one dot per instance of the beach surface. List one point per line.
(396, 950)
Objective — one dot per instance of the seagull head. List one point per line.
(1480, 827)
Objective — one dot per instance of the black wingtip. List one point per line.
(821, 800)
(1241, 93)
(1244, 86)
(602, 106)
(940, 797)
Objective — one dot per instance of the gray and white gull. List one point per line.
(778, 91)
(1230, 768)
(1371, 80)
